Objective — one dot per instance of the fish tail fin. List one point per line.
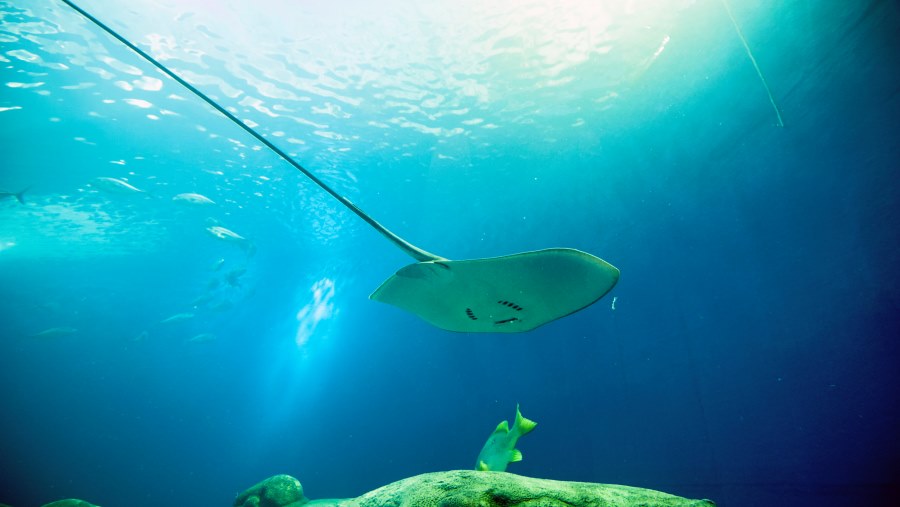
(522, 424)
(20, 196)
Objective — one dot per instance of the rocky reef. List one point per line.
(469, 488)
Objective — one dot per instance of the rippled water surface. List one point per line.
(354, 91)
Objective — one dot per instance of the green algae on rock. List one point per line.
(470, 488)
(69, 502)
(465, 488)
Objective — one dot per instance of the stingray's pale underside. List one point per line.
(506, 294)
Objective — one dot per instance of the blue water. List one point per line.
(751, 356)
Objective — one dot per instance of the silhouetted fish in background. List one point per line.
(191, 198)
(222, 306)
(202, 338)
(178, 317)
(225, 234)
(18, 195)
(116, 185)
(229, 236)
(233, 277)
(55, 332)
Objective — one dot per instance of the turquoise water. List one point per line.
(750, 356)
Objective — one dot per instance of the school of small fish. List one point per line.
(216, 298)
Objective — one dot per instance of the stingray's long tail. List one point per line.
(410, 249)
(759, 73)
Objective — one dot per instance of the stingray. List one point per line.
(507, 294)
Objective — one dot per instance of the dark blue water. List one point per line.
(752, 353)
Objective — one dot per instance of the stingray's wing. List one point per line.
(506, 294)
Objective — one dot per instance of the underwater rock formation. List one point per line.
(470, 488)
(69, 502)
(278, 491)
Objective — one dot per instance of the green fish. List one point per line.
(500, 448)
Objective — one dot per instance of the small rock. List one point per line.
(277, 491)
(69, 502)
